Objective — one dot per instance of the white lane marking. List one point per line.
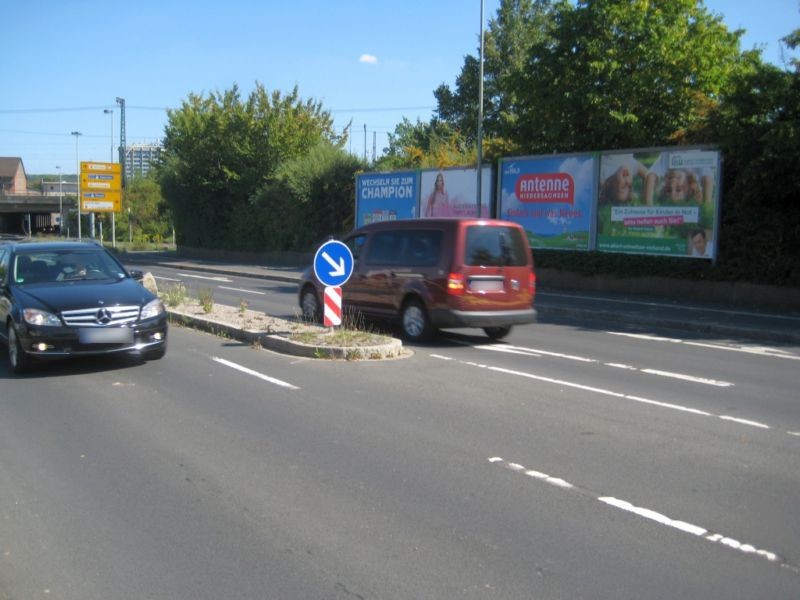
(524, 350)
(554, 481)
(646, 513)
(535, 352)
(757, 350)
(238, 367)
(744, 422)
(654, 516)
(644, 336)
(223, 279)
(222, 287)
(691, 378)
(667, 405)
(795, 433)
(166, 278)
(684, 308)
(689, 528)
(677, 407)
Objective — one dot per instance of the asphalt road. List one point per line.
(577, 460)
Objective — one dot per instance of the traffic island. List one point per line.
(285, 336)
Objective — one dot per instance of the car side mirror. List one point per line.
(137, 275)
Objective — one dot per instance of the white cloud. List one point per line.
(369, 59)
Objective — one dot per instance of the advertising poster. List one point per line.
(386, 196)
(659, 202)
(454, 193)
(551, 197)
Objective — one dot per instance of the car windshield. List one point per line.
(64, 265)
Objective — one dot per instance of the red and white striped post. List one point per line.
(332, 312)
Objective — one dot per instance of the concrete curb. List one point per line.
(392, 349)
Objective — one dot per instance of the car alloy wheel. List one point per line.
(309, 305)
(16, 356)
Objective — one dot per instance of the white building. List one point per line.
(139, 158)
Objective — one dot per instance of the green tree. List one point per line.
(310, 198)
(757, 125)
(508, 39)
(219, 150)
(596, 74)
(435, 144)
(149, 213)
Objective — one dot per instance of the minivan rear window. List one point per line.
(406, 247)
(496, 246)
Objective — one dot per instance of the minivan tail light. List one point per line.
(455, 284)
(532, 284)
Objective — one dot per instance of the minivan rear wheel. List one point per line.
(497, 333)
(415, 322)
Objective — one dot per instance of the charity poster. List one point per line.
(662, 202)
(551, 197)
(454, 193)
(386, 196)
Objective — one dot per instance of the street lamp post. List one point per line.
(77, 134)
(60, 203)
(110, 112)
(480, 121)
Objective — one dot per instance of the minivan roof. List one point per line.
(438, 222)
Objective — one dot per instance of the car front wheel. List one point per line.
(309, 305)
(17, 358)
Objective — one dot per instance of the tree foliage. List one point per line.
(220, 149)
(426, 145)
(596, 74)
(145, 210)
(757, 124)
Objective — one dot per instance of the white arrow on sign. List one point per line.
(338, 270)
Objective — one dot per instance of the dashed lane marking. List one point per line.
(261, 376)
(613, 394)
(647, 513)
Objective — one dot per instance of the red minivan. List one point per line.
(436, 273)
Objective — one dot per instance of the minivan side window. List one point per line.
(356, 245)
(424, 248)
(495, 246)
(409, 248)
(384, 249)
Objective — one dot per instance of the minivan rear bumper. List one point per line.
(490, 318)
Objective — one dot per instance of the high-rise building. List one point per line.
(139, 158)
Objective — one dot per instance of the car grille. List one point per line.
(101, 316)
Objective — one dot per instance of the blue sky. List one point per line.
(67, 61)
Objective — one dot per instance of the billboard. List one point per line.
(662, 202)
(386, 196)
(551, 197)
(454, 193)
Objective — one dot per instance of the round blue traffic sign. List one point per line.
(333, 263)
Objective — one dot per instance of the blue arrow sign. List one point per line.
(333, 263)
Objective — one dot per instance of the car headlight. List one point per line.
(34, 316)
(152, 309)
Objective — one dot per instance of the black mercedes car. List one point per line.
(62, 299)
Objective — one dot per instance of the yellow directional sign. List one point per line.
(94, 167)
(101, 201)
(101, 181)
(101, 187)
